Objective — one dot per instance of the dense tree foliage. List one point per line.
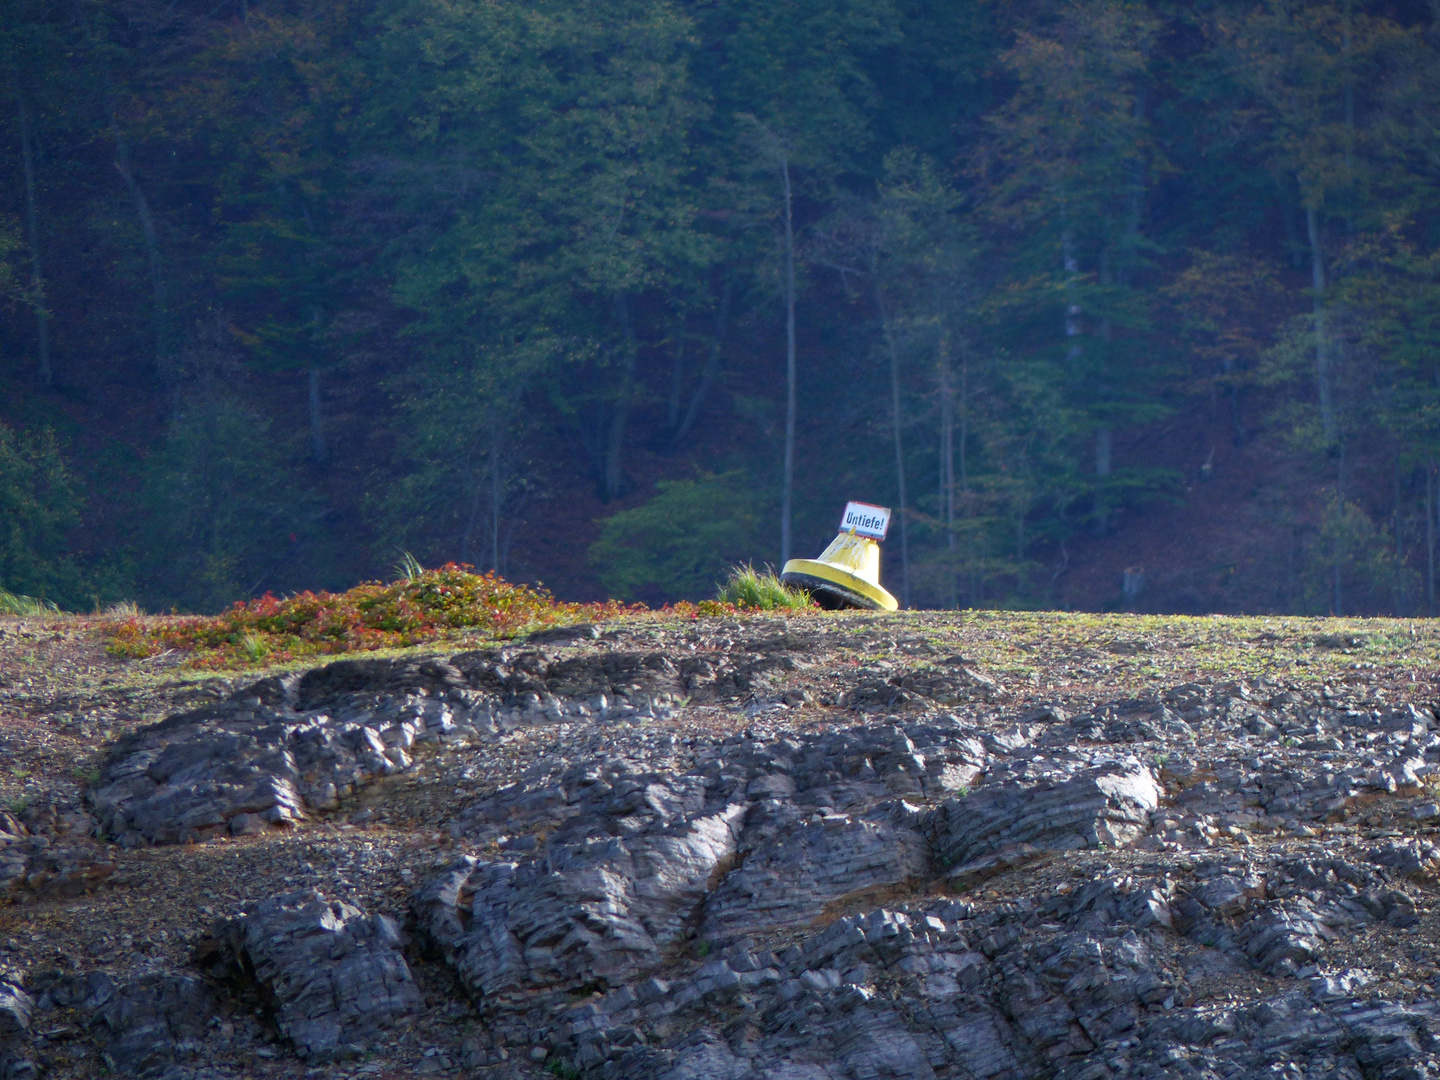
(294, 285)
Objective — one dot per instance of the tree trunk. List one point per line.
(152, 246)
(614, 478)
(787, 482)
(142, 206)
(947, 463)
(318, 451)
(1322, 352)
(1020, 553)
(1430, 540)
(1401, 594)
(712, 369)
(488, 488)
(967, 509)
(896, 419)
(1293, 246)
(1117, 269)
(1349, 79)
(1072, 303)
(32, 225)
(677, 374)
(1340, 506)
(210, 403)
(472, 520)
(497, 485)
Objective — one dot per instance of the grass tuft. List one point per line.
(747, 587)
(409, 568)
(254, 647)
(14, 604)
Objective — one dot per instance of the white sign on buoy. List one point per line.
(866, 520)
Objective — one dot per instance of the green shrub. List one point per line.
(747, 587)
(680, 542)
(39, 504)
(1349, 565)
(225, 518)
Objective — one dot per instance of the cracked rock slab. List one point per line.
(1101, 808)
(333, 973)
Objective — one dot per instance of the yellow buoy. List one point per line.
(847, 573)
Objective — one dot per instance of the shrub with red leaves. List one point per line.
(430, 606)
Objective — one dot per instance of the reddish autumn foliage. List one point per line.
(430, 606)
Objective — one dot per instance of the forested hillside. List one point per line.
(612, 293)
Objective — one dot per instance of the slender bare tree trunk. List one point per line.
(947, 463)
(788, 480)
(210, 403)
(32, 226)
(142, 207)
(1400, 592)
(712, 369)
(497, 485)
(1020, 553)
(1432, 528)
(1072, 303)
(614, 479)
(677, 374)
(967, 501)
(152, 243)
(1115, 268)
(1322, 350)
(472, 521)
(896, 420)
(1103, 436)
(1349, 78)
(488, 489)
(318, 451)
(1103, 444)
(1340, 506)
(1430, 539)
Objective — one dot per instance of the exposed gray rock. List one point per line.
(334, 974)
(15, 1006)
(289, 748)
(594, 908)
(17, 1057)
(1106, 807)
(755, 837)
(1147, 887)
(255, 761)
(788, 879)
(146, 1025)
(48, 850)
(154, 1021)
(1099, 981)
(1027, 993)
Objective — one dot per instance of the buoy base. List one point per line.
(834, 588)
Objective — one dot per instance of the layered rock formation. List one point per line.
(644, 863)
